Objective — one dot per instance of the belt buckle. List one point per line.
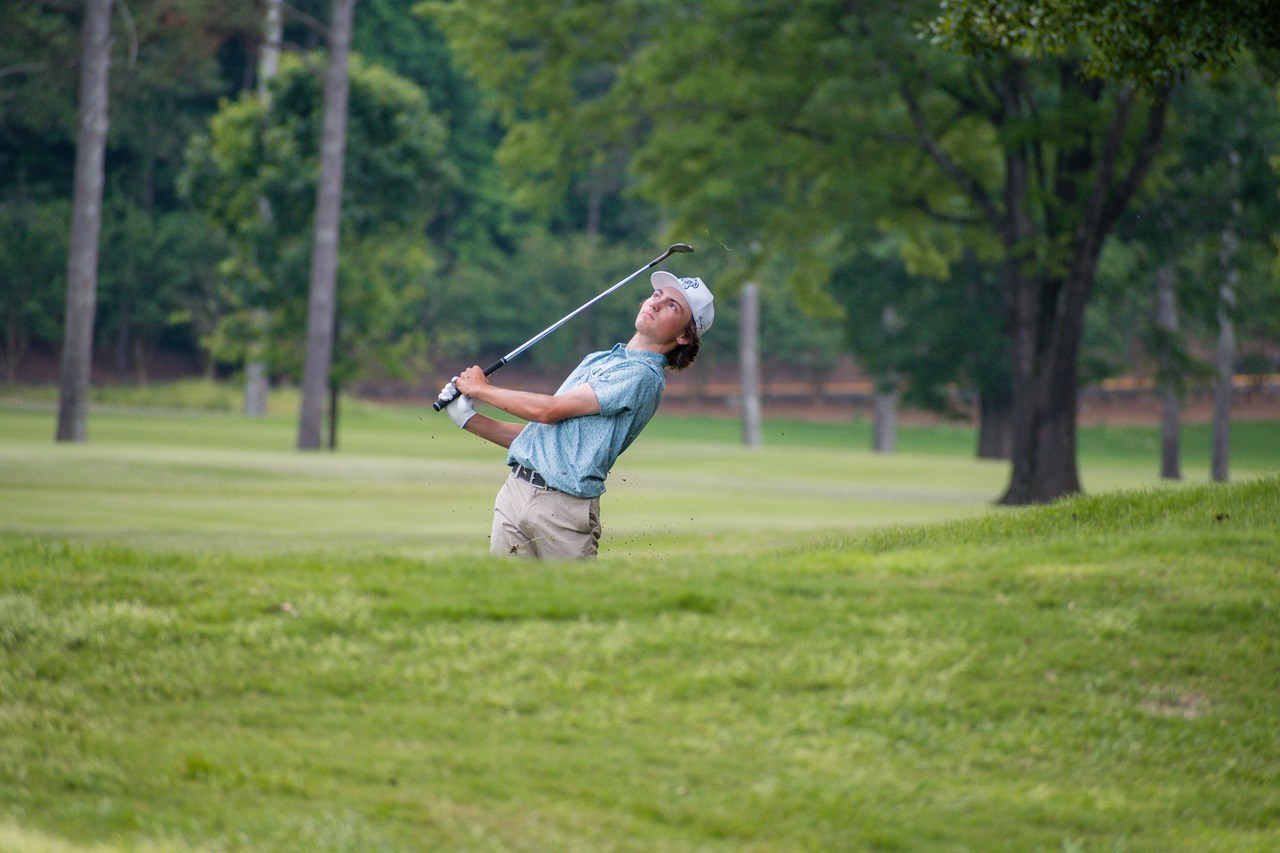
(532, 477)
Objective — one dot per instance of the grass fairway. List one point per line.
(209, 642)
(409, 483)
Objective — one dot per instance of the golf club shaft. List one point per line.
(681, 248)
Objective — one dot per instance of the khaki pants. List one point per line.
(543, 523)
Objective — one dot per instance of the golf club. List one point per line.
(674, 249)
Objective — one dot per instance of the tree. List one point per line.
(550, 70)
(40, 48)
(324, 248)
(852, 131)
(169, 63)
(33, 267)
(928, 336)
(1053, 224)
(474, 215)
(256, 379)
(86, 223)
(1030, 162)
(155, 272)
(1203, 231)
(1170, 403)
(395, 171)
(1154, 42)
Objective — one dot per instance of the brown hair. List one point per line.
(685, 354)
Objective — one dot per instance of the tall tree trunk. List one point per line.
(1225, 357)
(887, 390)
(1170, 407)
(884, 425)
(1042, 468)
(255, 387)
(86, 224)
(1044, 428)
(1048, 312)
(995, 425)
(256, 376)
(749, 358)
(322, 302)
(269, 60)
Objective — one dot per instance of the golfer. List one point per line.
(549, 508)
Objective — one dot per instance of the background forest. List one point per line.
(896, 199)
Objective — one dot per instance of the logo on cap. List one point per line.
(695, 292)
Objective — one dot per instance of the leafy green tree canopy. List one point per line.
(254, 173)
(393, 171)
(1153, 42)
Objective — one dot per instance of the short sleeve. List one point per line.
(623, 387)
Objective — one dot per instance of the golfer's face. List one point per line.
(664, 315)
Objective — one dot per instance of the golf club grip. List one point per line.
(438, 406)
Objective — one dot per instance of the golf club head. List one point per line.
(679, 249)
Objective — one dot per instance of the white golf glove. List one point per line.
(461, 409)
(448, 392)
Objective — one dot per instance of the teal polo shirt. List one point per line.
(575, 455)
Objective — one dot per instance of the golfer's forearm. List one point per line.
(490, 429)
(541, 408)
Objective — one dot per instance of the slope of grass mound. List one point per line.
(1098, 674)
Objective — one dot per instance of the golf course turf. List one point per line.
(211, 642)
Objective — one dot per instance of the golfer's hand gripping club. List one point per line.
(462, 409)
(450, 392)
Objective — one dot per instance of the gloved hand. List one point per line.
(448, 392)
(461, 409)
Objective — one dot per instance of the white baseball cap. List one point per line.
(696, 295)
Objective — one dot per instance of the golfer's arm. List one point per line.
(541, 408)
(499, 432)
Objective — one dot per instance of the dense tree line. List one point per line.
(436, 241)
(954, 197)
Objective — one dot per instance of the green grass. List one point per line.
(407, 481)
(211, 642)
(198, 395)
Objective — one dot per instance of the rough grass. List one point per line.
(208, 642)
(1094, 675)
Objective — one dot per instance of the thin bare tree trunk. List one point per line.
(749, 356)
(1222, 391)
(255, 387)
(1170, 410)
(256, 377)
(86, 224)
(322, 303)
(269, 62)
(884, 428)
(1225, 357)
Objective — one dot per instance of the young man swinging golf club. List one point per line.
(549, 508)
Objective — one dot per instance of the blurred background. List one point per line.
(940, 218)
